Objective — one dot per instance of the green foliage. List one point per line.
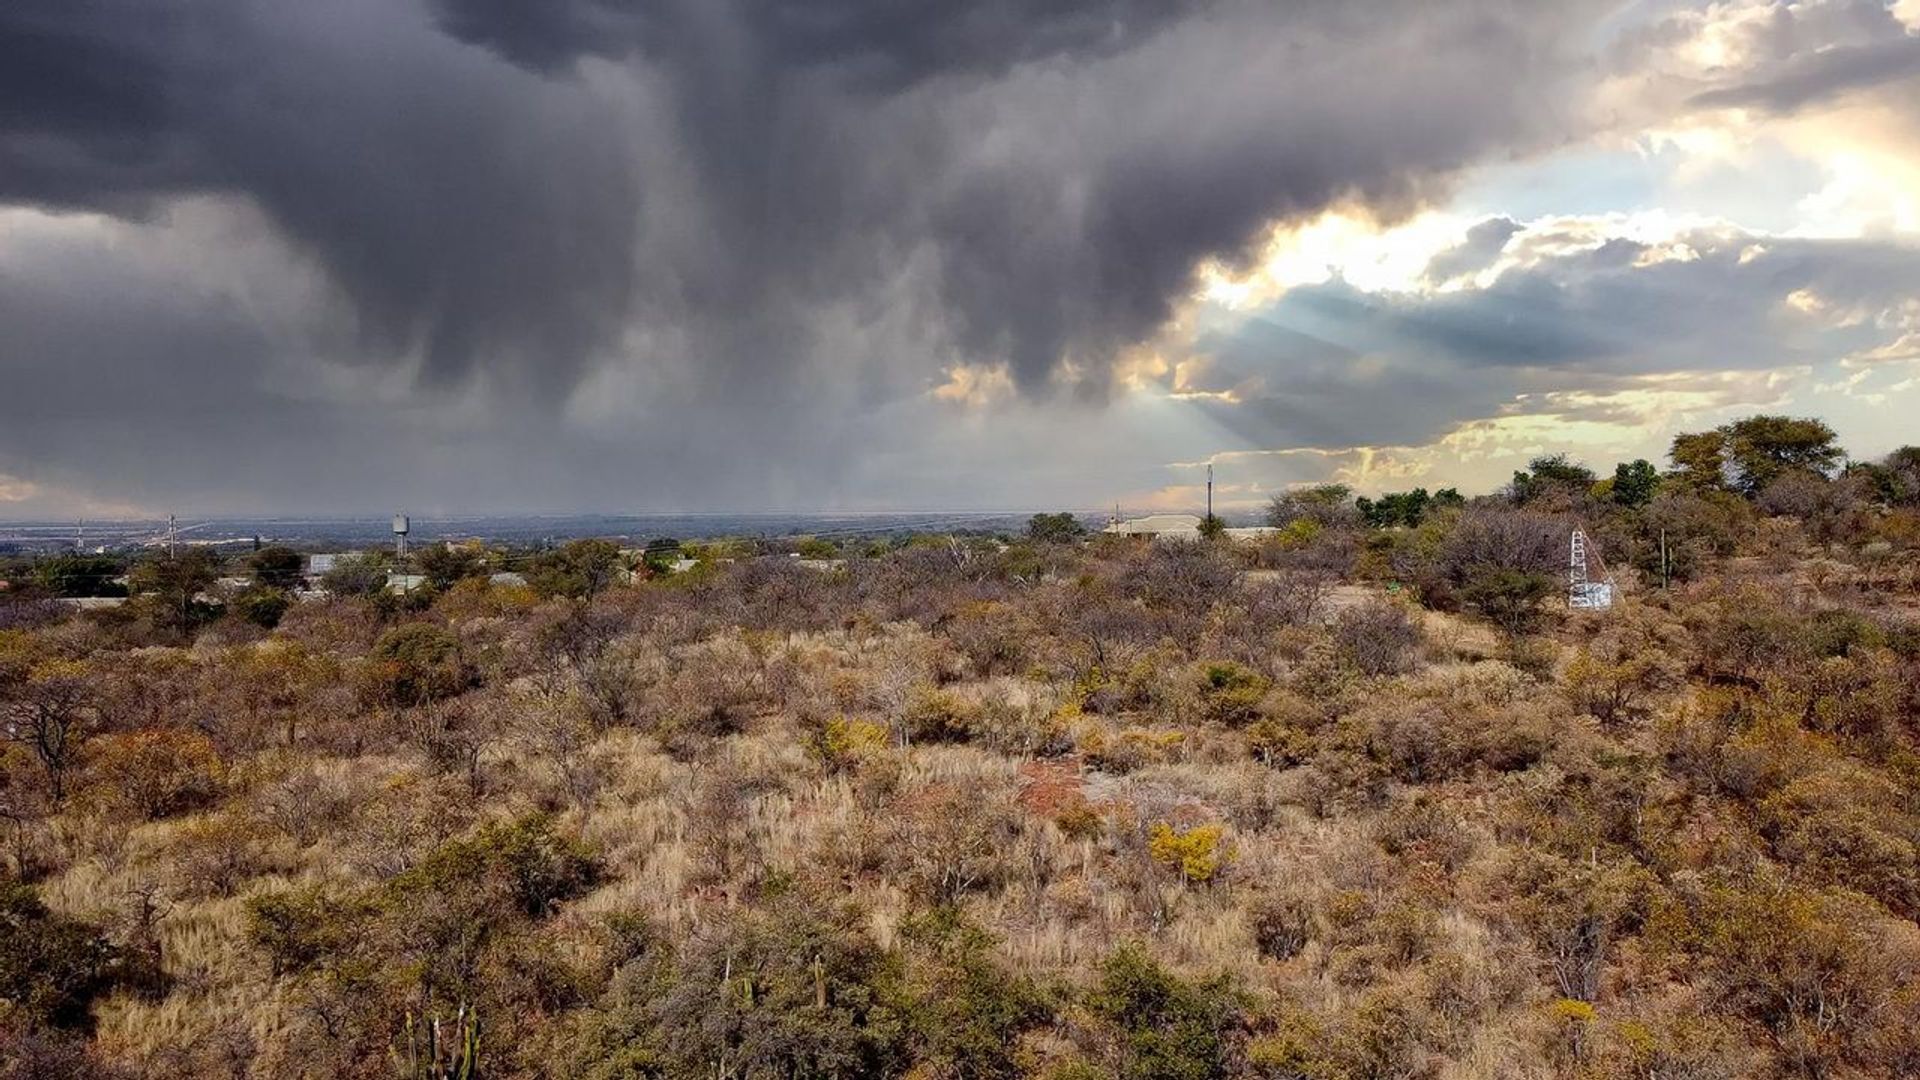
(302, 928)
(80, 575)
(418, 662)
(794, 990)
(1060, 528)
(1552, 475)
(966, 1011)
(1634, 482)
(52, 968)
(576, 569)
(1230, 694)
(1326, 505)
(1699, 460)
(446, 565)
(172, 587)
(523, 862)
(1902, 471)
(1749, 454)
(357, 575)
(1508, 597)
(277, 567)
(1764, 448)
(1406, 509)
(813, 547)
(1163, 1027)
(262, 605)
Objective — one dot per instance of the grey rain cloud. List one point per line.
(1481, 249)
(1332, 366)
(1807, 53)
(679, 252)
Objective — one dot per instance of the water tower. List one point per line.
(400, 529)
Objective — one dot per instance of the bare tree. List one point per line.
(50, 714)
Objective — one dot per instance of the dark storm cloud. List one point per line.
(1333, 366)
(1479, 250)
(1802, 54)
(465, 213)
(878, 45)
(1822, 75)
(732, 226)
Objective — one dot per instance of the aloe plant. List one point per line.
(441, 1051)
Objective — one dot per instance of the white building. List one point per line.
(1159, 527)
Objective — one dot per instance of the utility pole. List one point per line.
(1209, 491)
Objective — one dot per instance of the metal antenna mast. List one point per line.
(1209, 491)
(1582, 590)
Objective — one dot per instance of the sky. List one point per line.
(272, 256)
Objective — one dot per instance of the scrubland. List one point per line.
(1351, 802)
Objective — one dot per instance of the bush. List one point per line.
(1378, 638)
(155, 773)
(52, 968)
(1162, 1027)
(1282, 924)
(417, 663)
(1195, 854)
(262, 606)
(1231, 694)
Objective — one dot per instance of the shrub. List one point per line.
(1231, 694)
(156, 773)
(1378, 638)
(1164, 1028)
(966, 1011)
(52, 967)
(417, 663)
(1282, 924)
(1196, 854)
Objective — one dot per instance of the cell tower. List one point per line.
(1583, 590)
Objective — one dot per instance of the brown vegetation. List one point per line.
(1055, 809)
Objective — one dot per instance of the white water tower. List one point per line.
(400, 529)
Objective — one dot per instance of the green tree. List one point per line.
(445, 566)
(1634, 482)
(1510, 598)
(815, 548)
(1060, 528)
(1764, 448)
(357, 575)
(1405, 509)
(1749, 454)
(1550, 475)
(278, 567)
(80, 575)
(173, 586)
(1212, 527)
(1699, 460)
(262, 605)
(576, 569)
(1903, 476)
(1166, 1028)
(966, 1009)
(416, 663)
(1327, 505)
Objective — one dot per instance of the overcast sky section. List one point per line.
(265, 256)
